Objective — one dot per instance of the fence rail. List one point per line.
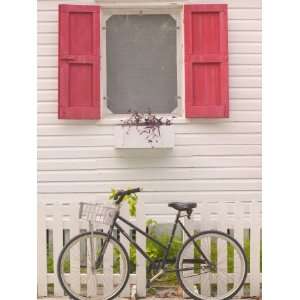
(242, 219)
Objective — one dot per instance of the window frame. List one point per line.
(177, 14)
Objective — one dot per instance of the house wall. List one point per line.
(213, 160)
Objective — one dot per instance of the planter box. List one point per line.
(129, 138)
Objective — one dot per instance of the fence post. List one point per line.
(255, 249)
(205, 224)
(75, 252)
(239, 236)
(55, 210)
(189, 225)
(141, 240)
(57, 245)
(125, 214)
(42, 251)
(222, 248)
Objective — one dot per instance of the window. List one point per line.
(141, 59)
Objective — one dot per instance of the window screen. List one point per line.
(141, 63)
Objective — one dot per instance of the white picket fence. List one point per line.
(241, 218)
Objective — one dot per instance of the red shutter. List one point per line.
(79, 62)
(206, 61)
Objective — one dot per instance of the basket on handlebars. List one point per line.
(97, 213)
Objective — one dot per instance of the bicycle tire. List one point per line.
(179, 258)
(66, 247)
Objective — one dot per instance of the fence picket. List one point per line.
(54, 216)
(91, 282)
(57, 245)
(255, 249)
(221, 250)
(239, 236)
(125, 213)
(108, 270)
(205, 224)
(141, 240)
(75, 252)
(189, 225)
(42, 251)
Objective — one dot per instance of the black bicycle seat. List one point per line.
(182, 205)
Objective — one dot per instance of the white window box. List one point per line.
(130, 138)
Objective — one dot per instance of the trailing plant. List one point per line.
(131, 199)
(147, 124)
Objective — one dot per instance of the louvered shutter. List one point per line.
(79, 62)
(206, 61)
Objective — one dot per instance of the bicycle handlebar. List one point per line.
(119, 196)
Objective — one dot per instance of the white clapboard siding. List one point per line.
(178, 185)
(169, 162)
(153, 200)
(234, 4)
(148, 174)
(215, 162)
(77, 130)
(181, 139)
(179, 151)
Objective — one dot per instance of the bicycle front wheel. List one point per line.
(77, 271)
(211, 266)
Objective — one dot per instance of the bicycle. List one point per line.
(200, 264)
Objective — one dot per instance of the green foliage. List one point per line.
(230, 258)
(247, 252)
(214, 252)
(132, 259)
(50, 264)
(131, 199)
(116, 260)
(155, 252)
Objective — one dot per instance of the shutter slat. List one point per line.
(206, 61)
(79, 62)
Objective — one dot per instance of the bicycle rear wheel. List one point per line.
(80, 280)
(222, 277)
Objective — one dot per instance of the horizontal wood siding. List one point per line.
(213, 160)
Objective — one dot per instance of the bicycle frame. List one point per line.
(166, 249)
